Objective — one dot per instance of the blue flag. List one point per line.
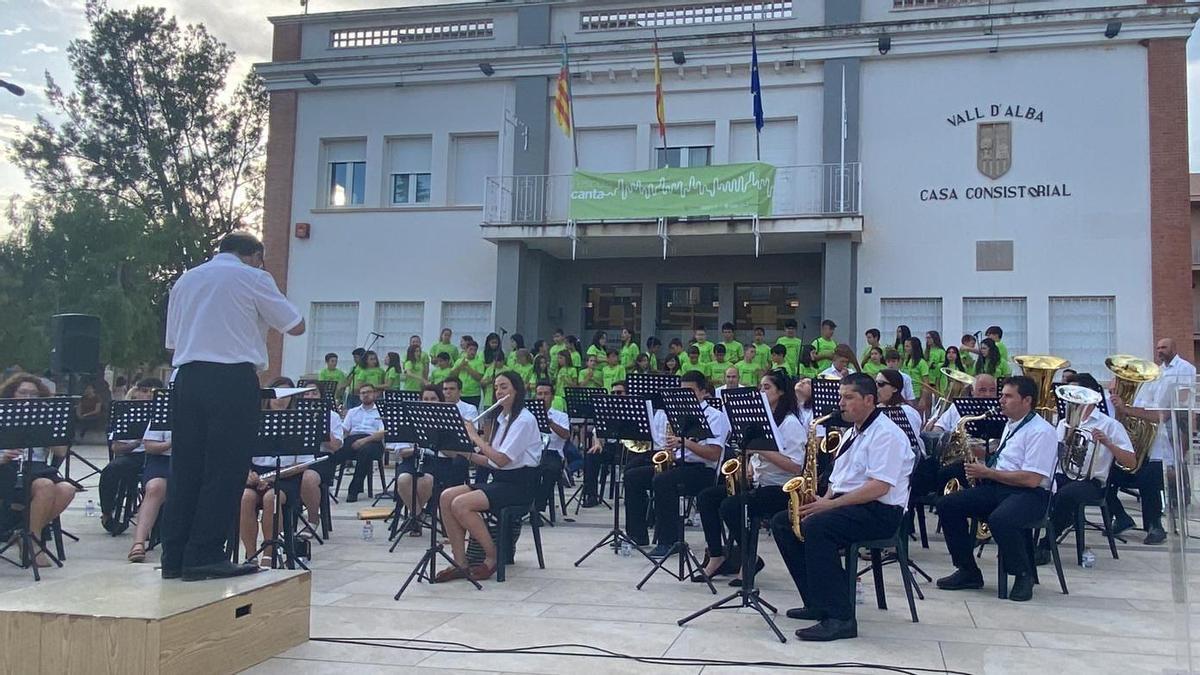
(755, 84)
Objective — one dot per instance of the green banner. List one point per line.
(729, 190)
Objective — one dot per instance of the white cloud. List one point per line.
(9, 32)
(40, 48)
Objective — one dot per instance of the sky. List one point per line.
(34, 35)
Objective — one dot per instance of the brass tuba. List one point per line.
(957, 382)
(637, 447)
(1131, 373)
(735, 479)
(1076, 442)
(1041, 369)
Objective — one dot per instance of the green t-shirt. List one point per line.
(1004, 364)
(686, 365)
(629, 354)
(373, 375)
(489, 394)
(444, 348)
(792, 344)
(600, 353)
(819, 345)
(733, 351)
(439, 375)
(331, 375)
(470, 385)
(762, 355)
(511, 359)
(610, 374)
(413, 382)
(566, 377)
(554, 350)
(705, 348)
(716, 370)
(919, 372)
(873, 369)
(595, 378)
(748, 373)
(937, 359)
(391, 378)
(785, 367)
(527, 375)
(810, 372)
(865, 357)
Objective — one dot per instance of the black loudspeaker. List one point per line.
(75, 346)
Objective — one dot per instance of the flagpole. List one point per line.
(571, 98)
(757, 129)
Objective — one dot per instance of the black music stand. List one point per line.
(288, 433)
(688, 422)
(827, 398)
(29, 423)
(646, 385)
(398, 429)
(161, 410)
(624, 418)
(752, 428)
(128, 421)
(990, 428)
(438, 427)
(538, 408)
(398, 395)
(580, 407)
(328, 389)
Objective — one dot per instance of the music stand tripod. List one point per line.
(397, 429)
(288, 433)
(30, 423)
(128, 421)
(628, 419)
(439, 427)
(753, 428)
(688, 421)
(580, 407)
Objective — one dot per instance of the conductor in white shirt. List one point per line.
(218, 316)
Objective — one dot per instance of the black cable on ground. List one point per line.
(414, 644)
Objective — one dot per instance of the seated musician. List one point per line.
(49, 495)
(363, 431)
(694, 469)
(1107, 442)
(1149, 404)
(330, 446)
(604, 452)
(1011, 491)
(768, 471)
(157, 446)
(864, 500)
(406, 469)
(123, 469)
(551, 464)
(931, 475)
(513, 453)
(292, 487)
(452, 389)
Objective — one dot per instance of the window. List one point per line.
(1007, 313)
(395, 35)
(687, 15)
(409, 161)
(468, 318)
(332, 327)
(474, 160)
(687, 307)
(397, 321)
(347, 177)
(921, 315)
(611, 308)
(1083, 330)
(682, 157)
(765, 306)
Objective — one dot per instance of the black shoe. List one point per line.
(805, 614)
(590, 502)
(829, 629)
(217, 570)
(699, 578)
(1022, 588)
(352, 497)
(1155, 536)
(961, 580)
(171, 573)
(660, 551)
(1042, 556)
(1119, 525)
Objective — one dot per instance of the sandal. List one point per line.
(481, 572)
(449, 574)
(137, 552)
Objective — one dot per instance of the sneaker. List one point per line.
(961, 580)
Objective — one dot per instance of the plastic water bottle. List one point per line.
(859, 592)
(89, 510)
(368, 531)
(1088, 559)
(626, 549)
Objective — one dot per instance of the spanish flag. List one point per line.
(660, 107)
(562, 96)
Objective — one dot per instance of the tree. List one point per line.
(149, 125)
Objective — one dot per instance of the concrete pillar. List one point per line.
(838, 279)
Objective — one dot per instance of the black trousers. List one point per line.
(1072, 493)
(1149, 483)
(1008, 510)
(550, 469)
(686, 479)
(815, 564)
(593, 463)
(116, 477)
(716, 507)
(363, 458)
(214, 424)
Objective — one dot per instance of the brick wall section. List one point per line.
(277, 197)
(1170, 227)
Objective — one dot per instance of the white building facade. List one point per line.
(936, 166)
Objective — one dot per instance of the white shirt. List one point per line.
(1160, 394)
(833, 372)
(521, 441)
(658, 429)
(335, 429)
(220, 312)
(557, 442)
(157, 437)
(1103, 457)
(793, 437)
(1034, 448)
(881, 452)
(719, 424)
(468, 411)
(361, 420)
(948, 420)
(907, 393)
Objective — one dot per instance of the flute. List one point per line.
(487, 412)
(291, 470)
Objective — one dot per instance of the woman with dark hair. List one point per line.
(599, 346)
(497, 365)
(393, 372)
(808, 365)
(874, 362)
(516, 342)
(653, 344)
(415, 368)
(935, 354)
(954, 360)
(574, 346)
(989, 362)
(406, 468)
(513, 454)
(916, 367)
(50, 495)
(902, 335)
(567, 375)
(671, 365)
(491, 345)
(768, 472)
(629, 349)
(891, 387)
(370, 372)
(641, 364)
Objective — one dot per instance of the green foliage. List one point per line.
(153, 162)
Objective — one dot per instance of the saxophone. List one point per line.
(802, 489)
(731, 471)
(959, 450)
(663, 459)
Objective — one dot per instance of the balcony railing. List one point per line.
(809, 190)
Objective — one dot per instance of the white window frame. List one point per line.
(395, 337)
(685, 155)
(896, 311)
(318, 328)
(1016, 334)
(353, 167)
(477, 327)
(412, 193)
(1073, 325)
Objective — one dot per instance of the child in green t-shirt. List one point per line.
(498, 365)
(441, 368)
(700, 341)
(591, 375)
(874, 362)
(567, 375)
(762, 350)
(469, 370)
(720, 362)
(416, 369)
(370, 372)
(749, 370)
(524, 368)
(629, 349)
(330, 372)
(779, 360)
(612, 370)
(692, 362)
(824, 346)
(443, 345)
(791, 343)
(733, 348)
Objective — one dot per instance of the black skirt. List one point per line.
(512, 487)
(157, 466)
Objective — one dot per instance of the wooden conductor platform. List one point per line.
(131, 621)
